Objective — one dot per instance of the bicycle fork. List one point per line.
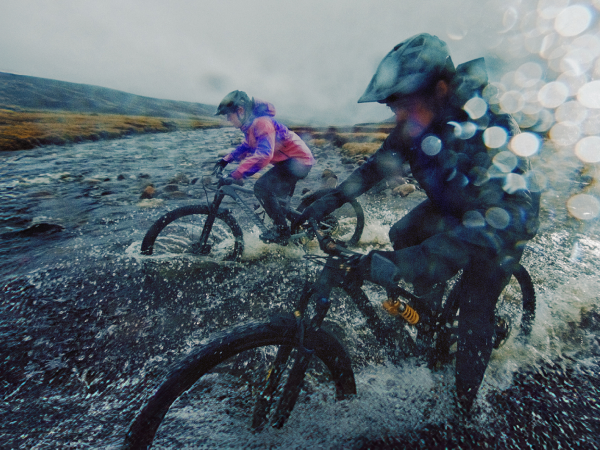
(304, 352)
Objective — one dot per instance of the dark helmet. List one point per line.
(411, 66)
(232, 101)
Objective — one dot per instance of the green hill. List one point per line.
(33, 93)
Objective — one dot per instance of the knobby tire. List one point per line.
(225, 216)
(358, 211)
(279, 331)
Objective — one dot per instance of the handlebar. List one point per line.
(329, 245)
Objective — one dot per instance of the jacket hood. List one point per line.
(468, 81)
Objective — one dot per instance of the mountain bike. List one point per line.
(268, 364)
(210, 230)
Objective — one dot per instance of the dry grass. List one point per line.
(354, 142)
(360, 148)
(28, 129)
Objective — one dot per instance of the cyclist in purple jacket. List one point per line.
(267, 141)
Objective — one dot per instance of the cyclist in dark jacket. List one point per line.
(479, 212)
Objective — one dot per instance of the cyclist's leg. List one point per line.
(282, 178)
(482, 283)
(420, 223)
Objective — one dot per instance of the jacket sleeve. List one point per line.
(239, 153)
(385, 162)
(260, 141)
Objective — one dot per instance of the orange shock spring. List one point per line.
(398, 308)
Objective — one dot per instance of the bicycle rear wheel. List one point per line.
(240, 360)
(177, 233)
(515, 313)
(345, 224)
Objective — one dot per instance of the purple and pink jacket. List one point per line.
(266, 142)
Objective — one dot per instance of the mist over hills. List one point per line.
(33, 93)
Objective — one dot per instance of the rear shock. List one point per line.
(395, 307)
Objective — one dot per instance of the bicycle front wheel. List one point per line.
(178, 232)
(237, 365)
(345, 224)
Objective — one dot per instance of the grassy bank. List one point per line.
(21, 130)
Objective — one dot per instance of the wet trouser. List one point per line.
(280, 181)
(431, 248)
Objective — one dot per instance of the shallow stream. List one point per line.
(89, 326)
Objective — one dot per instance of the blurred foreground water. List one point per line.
(88, 326)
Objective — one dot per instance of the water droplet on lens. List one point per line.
(573, 20)
(476, 107)
(505, 161)
(589, 94)
(472, 219)
(525, 144)
(588, 149)
(495, 137)
(583, 206)
(553, 94)
(497, 218)
(514, 182)
(431, 145)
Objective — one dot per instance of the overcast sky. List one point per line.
(311, 58)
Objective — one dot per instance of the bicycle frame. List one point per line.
(232, 191)
(333, 275)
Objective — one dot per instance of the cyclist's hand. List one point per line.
(225, 181)
(316, 210)
(219, 166)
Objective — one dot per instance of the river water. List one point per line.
(89, 326)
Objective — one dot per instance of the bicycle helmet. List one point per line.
(232, 101)
(411, 66)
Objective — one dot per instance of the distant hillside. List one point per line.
(45, 94)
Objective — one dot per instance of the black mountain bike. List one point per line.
(210, 230)
(274, 361)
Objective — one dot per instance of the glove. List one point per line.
(377, 269)
(316, 210)
(225, 181)
(219, 166)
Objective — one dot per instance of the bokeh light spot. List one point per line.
(473, 219)
(573, 20)
(497, 218)
(549, 9)
(588, 149)
(583, 206)
(476, 107)
(431, 145)
(495, 137)
(553, 94)
(545, 121)
(512, 102)
(565, 133)
(525, 144)
(572, 111)
(465, 130)
(528, 74)
(536, 181)
(505, 161)
(589, 94)
(513, 182)
(573, 81)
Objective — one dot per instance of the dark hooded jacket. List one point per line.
(483, 187)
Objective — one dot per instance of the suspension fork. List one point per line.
(331, 276)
